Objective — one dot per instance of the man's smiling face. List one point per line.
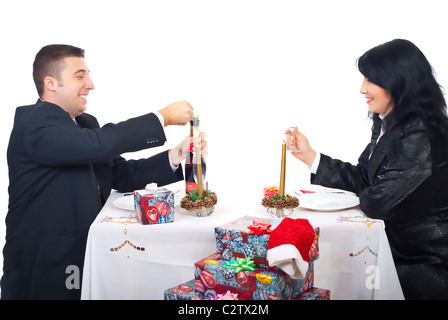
(73, 86)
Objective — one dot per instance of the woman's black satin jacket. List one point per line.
(402, 185)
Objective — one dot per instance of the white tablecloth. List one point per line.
(127, 260)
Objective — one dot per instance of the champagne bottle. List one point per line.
(195, 169)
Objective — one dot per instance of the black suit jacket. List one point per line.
(405, 186)
(60, 175)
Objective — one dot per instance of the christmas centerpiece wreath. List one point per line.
(275, 201)
(199, 205)
(277, 205)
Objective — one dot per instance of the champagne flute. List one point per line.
(292, 146)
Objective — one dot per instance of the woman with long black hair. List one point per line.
(402, 175)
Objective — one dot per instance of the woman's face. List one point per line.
(378, 99)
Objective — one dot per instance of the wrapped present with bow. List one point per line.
(154, 205)
(270, 191)
(248, 237)
(290, 246)
(186, 291)
(214, 276)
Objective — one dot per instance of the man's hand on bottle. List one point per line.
(177, 113)
(180, 152)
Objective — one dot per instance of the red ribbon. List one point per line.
(259, 228)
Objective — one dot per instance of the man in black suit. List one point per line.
(62, 167)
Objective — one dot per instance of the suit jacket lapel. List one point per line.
(102, 171)
(377, 158)
(84, 121)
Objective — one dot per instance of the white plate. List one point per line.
(322, 201)
(125, 202)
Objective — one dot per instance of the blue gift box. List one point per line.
(314, 294)
(237, 239)
(184, 291)
(154, 206)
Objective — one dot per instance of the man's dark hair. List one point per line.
(49, 62)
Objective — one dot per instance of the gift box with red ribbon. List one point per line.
(248, 237)
(154, 206)
(270, 191)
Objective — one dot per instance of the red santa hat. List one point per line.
(289, 246)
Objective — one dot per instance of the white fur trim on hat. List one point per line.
(288, 258)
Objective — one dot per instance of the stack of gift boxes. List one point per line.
(239, 268)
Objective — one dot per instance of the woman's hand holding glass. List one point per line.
(291, 140)
(298, 144)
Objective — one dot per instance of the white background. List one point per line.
(249, 68)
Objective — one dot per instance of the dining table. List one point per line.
(126, 260)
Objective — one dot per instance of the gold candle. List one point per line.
(281, 190)
(199, 167)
